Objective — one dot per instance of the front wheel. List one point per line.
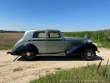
(28, 55)
(88, 54)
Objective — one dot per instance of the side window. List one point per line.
(39, 35)
(54, 35)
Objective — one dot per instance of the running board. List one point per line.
(59, 54)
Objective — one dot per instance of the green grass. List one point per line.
(86, 74)
(7, 47)
(106, 44)
(103, 44)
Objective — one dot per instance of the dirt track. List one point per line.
(21, 71)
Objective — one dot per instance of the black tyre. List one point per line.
(88, 54)
(28, 55)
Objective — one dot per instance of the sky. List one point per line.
(64, 15)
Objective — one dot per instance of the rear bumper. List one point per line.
(12, 54)
(9, 52)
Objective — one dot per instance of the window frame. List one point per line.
(38, 35)
(54, 37)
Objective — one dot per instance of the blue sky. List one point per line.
(65, 15)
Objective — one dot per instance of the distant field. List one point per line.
(101, 37)
(7, 40)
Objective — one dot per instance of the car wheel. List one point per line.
(28, 55)
(88, 54)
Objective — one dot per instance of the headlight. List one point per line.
(89, 41)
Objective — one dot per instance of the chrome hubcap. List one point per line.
(89, 54)
(28, 53)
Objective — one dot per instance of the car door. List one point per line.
(39, 40)
(55, 43)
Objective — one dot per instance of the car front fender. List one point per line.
(80, 48)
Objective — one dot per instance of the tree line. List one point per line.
(5, 31)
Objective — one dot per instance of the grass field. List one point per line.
(86, 74)
(7, 40)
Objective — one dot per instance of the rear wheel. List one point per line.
(88, 54)
(28, 55)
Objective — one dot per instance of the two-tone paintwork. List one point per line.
(51, 45)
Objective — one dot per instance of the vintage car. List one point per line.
(51, 42)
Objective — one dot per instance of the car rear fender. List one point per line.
(24, 47)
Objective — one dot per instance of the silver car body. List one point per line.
(44, 42)
(51, 45)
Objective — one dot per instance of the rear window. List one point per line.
(39, 35)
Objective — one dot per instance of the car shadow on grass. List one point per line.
(58, 58)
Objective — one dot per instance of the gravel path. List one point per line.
(21, 71)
